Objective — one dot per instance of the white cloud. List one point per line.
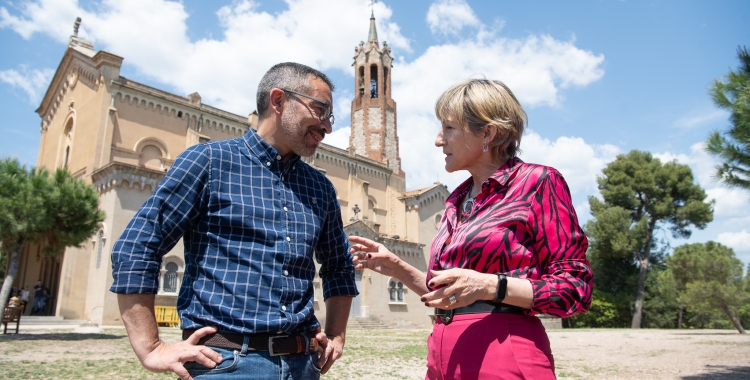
(577, 161)
(450, 16)
(33, 82)
(151, 35)
(52, 17)
(730, 202)
(739, 241)
(339, 138)
(535, 68)
(702, 119)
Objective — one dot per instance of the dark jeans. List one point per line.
(257, 365)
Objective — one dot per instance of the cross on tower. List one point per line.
(372, 5)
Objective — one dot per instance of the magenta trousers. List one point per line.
(489, 346)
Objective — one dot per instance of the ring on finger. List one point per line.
(452, 299)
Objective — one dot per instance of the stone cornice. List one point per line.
(184, 102)
(115, 174)
(350, 156)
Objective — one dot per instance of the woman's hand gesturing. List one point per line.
(375, 256)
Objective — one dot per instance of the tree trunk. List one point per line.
(638, 313)
(11, 275)
(644, 261)
(733, 318)
(679, 317)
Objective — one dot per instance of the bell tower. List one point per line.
(373, 110)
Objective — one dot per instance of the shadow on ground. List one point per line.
(60, 337)
(722, 372)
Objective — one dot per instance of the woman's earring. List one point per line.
(485, 148)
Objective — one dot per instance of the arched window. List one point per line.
(362, 81)
(170, 278)
(151, 157)
(374, 81)
(392, 290)
(396, 290)
(67, 143)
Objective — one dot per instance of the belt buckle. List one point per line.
(270, 345)
(445, 315)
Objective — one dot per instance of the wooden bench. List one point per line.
(12, 314)
(167, 315)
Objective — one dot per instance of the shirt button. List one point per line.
(282, 177)
(278, 157)
(286, 272)
(286, 209)
(268, 163)
(283, 307)
(288, 238)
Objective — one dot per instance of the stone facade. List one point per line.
(122, 136)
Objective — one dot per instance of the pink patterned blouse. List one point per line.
(523, 224)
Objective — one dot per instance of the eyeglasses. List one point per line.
(325, 114)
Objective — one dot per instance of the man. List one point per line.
(251, 214)
(40, 296)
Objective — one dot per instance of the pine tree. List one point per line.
(640, 196)
(55, 211)
(733, 147)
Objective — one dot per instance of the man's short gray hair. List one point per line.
(289, 75)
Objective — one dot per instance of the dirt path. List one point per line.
(651, 354)
(400, 354)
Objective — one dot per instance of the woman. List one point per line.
(508, 247)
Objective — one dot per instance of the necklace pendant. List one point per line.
(468, 206)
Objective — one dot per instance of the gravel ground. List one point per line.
(400, 354)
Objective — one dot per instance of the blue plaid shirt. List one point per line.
(251, 224)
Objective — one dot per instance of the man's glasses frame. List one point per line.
(328, 115)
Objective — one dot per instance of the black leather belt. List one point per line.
(275, 344)
(477, 308)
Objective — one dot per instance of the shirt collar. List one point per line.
(500, 177)
(263, 150)
(506, 171)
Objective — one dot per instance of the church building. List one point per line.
(122, 136)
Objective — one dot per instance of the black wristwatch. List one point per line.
(502, 287)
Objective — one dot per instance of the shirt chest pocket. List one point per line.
(310, 215)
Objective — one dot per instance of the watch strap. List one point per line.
(502, 287)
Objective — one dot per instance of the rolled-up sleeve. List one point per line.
(160, 223)
(566, 284)
(332, 252)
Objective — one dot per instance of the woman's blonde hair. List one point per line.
(481, 102)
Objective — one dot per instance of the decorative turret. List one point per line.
(373, 36)
(373, 110)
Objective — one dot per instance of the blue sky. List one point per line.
(597, 78)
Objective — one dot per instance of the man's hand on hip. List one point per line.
(173, 356)
(331, 349)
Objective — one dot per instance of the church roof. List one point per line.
(417, 192)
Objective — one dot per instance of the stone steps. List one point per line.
(364, 323)
(48, 320)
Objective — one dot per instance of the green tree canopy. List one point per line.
(712, 277)
(641, 195)
(55, 211)
(733, 146)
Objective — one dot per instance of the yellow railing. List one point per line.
(167, 315)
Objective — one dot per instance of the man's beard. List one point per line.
(296, 133)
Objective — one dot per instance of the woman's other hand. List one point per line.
(465, 285)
